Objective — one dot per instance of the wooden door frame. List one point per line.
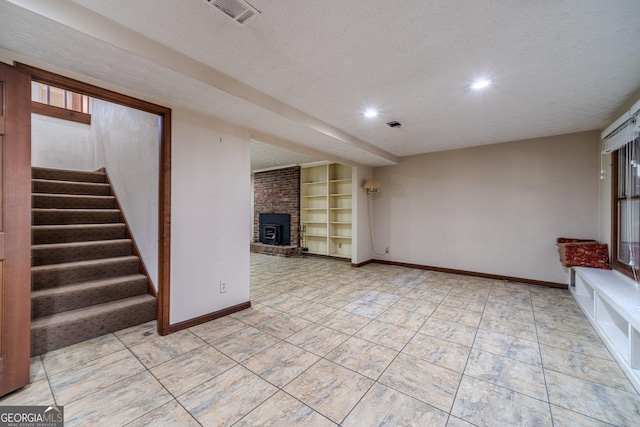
(164, 197)
(15, 233)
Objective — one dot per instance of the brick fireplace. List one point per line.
(277, 192)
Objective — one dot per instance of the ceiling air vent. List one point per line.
(239, 11)
(394, 124)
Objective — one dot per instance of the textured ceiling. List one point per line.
(558, 66)
(265, 156)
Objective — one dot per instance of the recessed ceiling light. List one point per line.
(371, 113)
(481, 84)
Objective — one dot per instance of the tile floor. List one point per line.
(327, 344)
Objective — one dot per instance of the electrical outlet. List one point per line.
(386, 250)
(223, 286)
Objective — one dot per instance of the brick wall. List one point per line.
(277, 192)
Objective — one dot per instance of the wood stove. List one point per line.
(275, 229)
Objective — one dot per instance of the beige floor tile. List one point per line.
(119, 403)
(284, 302)
(389, 288)
(158, 349)
(245, 343)
(283, 410)
(306, 292)
(78, 354)
(569, 323)
(386, 335)
(438, 351)
(457, 315)
(422, 380)
(318, 339)
(93, 376)
(584, 344)
(594, 400)
(137, 334)
(450, 331)
(227, 398)
(510, 312)
(484, 404)
(589, 368)
(281, 363)
(219, 328)
(35, 393)
(251, 316)
(416, 306)
(508, 346)
(514, 328)
(37, 369)
(457, 422)
(329, 389)
(333, 300)
(191, 369)
(383, 406)
(283, 326)
(515, 300)
(508, 373)
(363, 357)
(427, 295)
(168, 415)
(364, 308)
(566, 418)
(345, 322)
(312, 311)
(465, 303)
(404, 319)
(380, 298)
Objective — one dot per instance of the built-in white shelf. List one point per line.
(611, 302)
(326, 208)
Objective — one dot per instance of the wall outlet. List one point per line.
(386, 250)
(223, 286)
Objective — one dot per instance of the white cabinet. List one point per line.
(325, 203)
(611, 302)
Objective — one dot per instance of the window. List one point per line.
(626, 208)
(60, 103)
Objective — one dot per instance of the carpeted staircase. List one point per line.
(85, 280)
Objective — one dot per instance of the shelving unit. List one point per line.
(611, 302)
(326, 208)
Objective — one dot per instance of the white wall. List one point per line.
(361, 242)
(211, 199)
(494, 209)
(127, 145)
(61, 144)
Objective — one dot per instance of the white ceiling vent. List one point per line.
(239, 11)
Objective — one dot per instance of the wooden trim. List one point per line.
(474, 274)
(142, 268)
(15, 268)
(164, 197)
(209, 317)
(615, 215)
(60, 113)
(360, 264)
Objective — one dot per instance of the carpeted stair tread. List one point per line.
(70, 187)
(74, 216)
(67, 175)
(46, 302)
(56, 253)
(72, 201)
(55, 275)
(63, 329)
(76, 233)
